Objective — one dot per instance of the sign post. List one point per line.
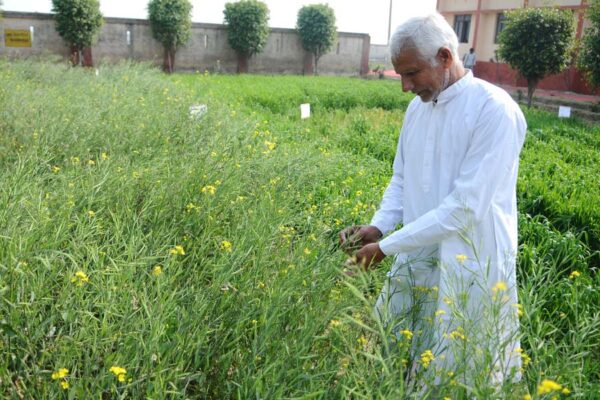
(17, 38)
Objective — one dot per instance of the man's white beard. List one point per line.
(445, 84)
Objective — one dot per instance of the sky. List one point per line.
(370, 16)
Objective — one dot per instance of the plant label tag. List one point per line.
(304, 111)
(197, 111)
(564, 112)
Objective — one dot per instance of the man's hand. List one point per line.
(370, 255)
(358, 236)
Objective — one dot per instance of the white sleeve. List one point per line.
(492, 155)
(391, 211)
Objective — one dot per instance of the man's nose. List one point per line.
(406, 84)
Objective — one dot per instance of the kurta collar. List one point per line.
(454, 89)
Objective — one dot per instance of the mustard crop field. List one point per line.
(149, 254)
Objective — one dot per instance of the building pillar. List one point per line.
(364, 62)
(580, 16)
(477, 17)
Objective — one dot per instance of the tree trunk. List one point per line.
(74, 55)
(169, 60)
(242, 64)
(87, 57)
(531, 85)
(317, 56)
(308, 67)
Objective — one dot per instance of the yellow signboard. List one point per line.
(17, 38)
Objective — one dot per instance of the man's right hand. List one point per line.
(357, 236)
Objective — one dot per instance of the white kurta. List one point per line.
(454, 190)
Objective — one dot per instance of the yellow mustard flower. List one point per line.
(210, 189)
(64, 384)
(527, 397)
(91, 213)
(461, 258)
(426, 358)
(334, 323)
(499, 286)
(56, 169)
(575, 274)
(157, 270)
(226, 246)
(519, 308)
(362, 341)
(548, 386)
(104, 156)
(407, 334)
(566, 391)
(119, 372)
(61, 373)
(270, 145)
(80, 278)
(177, 251)
(307, 251)
(439, 313)
(459, 333)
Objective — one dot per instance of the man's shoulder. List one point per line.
(494, 103)
(491, 93)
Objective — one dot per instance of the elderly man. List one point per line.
(453, 189)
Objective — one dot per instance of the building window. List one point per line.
(500, 23)
(462, 23)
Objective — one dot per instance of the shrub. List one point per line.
(78, 22)
(171, 25)
(537, 42)
(316, 27)
(248, 29)
(590, 49)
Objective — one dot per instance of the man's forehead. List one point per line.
(408, 56)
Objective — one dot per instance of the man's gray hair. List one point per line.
(427, 34)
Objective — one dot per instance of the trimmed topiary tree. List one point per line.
(78, 23)
(171, 24)
(537, 42)
(317, 30)
(247, 29)
(590, 46)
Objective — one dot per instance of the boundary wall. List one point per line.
(131, 39)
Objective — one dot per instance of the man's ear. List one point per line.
(445, 57)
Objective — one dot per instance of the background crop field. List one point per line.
(199, 256)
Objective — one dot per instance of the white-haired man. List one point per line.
(454, 190)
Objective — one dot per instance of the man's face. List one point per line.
(418, 76)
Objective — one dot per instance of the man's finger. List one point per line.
(343, 237)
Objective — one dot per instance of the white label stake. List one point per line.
(304, 111)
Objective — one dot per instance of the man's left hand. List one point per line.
(370, 255)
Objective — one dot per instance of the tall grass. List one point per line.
(108, 175)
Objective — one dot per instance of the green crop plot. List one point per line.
(145, 253)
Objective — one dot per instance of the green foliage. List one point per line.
(537, 42)
(247, 26)
(77, 21)
(590, 46)
(170, 21)
(316, 28)
(110, 183)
